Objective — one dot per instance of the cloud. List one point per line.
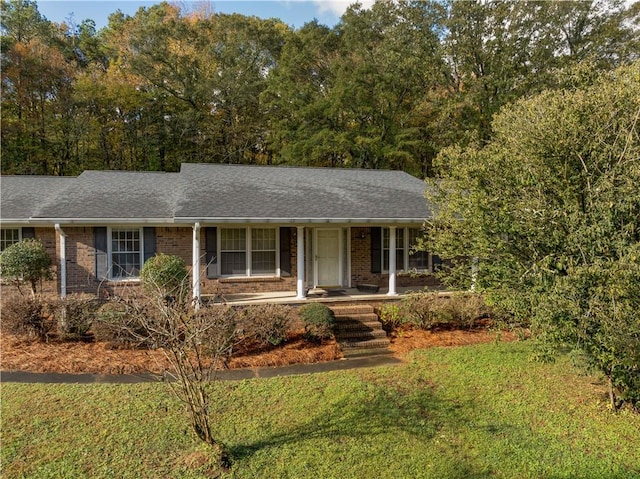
(338, 7)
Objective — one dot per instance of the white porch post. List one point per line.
(392, 261)
(195, 273)
(301, 293)
(63, 261)
(474, 274)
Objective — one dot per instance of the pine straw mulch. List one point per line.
(18, 354)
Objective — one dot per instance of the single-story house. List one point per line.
(241, 228)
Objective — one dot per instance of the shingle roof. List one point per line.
(240, 191)
(22, 195)
(210, 192)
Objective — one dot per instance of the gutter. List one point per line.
(218, 220)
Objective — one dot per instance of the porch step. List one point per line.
(358, 330)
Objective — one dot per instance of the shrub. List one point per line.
(75, 315)
(267, 323)
(463, 309)
(166, 274)
(219, 334)
(26, 317)
(421, 309)
(390, 316)
(26, 262)
(117, 323)
(318, 321)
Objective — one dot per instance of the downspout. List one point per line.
(195, 273)
(63, 260)
(392, 261)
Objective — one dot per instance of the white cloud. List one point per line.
(338, 7)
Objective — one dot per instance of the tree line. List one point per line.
(386, 87)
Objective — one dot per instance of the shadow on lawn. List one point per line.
(417, 412)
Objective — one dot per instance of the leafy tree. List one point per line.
(26, 262)
(550, 208)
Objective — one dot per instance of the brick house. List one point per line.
(242, 228)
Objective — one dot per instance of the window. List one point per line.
(233, 251)
(248, 251)
(9, 236)
(126, 253)
(263, 251)
(418, 260)
(406, 241)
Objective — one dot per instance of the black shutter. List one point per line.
(100, 244)
(149, 247)
(376, 249)
(211, 247)
(28, 233)
(285, 251)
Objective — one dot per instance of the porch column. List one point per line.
(195, 272)
(392, 261)
(301, 293)
(63, 261)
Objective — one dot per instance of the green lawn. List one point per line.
(470, 412)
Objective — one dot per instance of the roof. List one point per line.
(217, 193)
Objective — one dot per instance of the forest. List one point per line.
(386, 87)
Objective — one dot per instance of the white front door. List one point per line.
(328, 257)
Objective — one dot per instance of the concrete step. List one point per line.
(349, 309)
(358, 325)
(360, 334)
(356, 317)
(377, 343)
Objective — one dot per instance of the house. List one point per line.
(242, 228)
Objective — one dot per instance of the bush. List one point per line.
(166, 274)
(75, 315)
(463, 309)
(116, 322)
(267, 323)
(422, 310)
(390, 316)
(220, 334)
(26, 262)
(318, 321)
(27, 317)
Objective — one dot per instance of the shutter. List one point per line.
(28, 233)
(211, 247)
(285, 251)
(100, 244)
(436, 263)
(376, 249)
(149, 248)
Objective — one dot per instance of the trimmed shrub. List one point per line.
(117, 323)
(463, 309)
(26, 262)
(165, 274)
(318, 321)
(27, 318)
(269, 324)
(74, 316)
(421, 309)
(220, 335)
(390, 316)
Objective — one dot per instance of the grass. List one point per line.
(470, 412)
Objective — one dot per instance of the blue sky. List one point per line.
(292, 12)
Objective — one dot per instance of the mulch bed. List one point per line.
(18, 354)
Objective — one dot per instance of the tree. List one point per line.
(26, 262)
(550, 209)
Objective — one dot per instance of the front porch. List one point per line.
(318, 295)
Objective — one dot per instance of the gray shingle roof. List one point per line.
(210, 192)
(22, 195)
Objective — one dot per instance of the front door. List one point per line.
(328, 257)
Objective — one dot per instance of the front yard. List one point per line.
(473, 411)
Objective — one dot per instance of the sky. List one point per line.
(293, 12)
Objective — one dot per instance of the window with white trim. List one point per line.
(125, 255)
(248, 251)
(406, 254)
(8, 236)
